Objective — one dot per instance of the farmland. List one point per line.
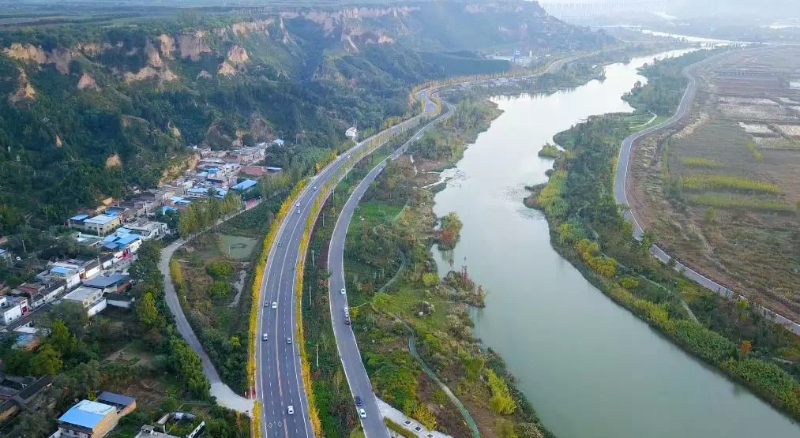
(720, 190)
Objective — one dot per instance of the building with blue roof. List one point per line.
(89, 419)
(94, 419)
(245, 185)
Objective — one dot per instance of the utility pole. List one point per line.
(313, 259)
(317, 355)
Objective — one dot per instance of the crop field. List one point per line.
(721, 190)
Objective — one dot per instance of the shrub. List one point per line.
(219, 270)
(721, 182)
(501, 402)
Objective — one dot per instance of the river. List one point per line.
(590, 368)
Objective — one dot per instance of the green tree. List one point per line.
(46, 361)
(61, 338)
(147, 312)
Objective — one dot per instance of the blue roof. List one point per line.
(197, 190)
(59, 270)
(86, 414)
(79, 217)
(244, 185)
(167, 208)
(124, 240)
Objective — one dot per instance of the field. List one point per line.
(720, 190)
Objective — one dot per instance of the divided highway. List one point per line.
(346, 343)
(620, 195)
(279, 385)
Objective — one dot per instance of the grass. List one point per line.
(403, 303)
(737, 202)
(700, 162)
(378, 211)
(751, 146)
(722, 182)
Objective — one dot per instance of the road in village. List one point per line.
(620, 194)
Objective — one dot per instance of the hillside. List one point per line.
(89, 111)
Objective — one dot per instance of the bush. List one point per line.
(220, 270)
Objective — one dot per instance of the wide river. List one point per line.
(590, 368)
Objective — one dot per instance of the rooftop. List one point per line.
(115, 399)
(100, 219)
(86, 413)
(79, 217)
(81, 294)
(104, 282)
(244, 185)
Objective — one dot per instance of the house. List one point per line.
(352, 132)
(245, 185)
(90, 299)
(109, 284)
(124, 241)
(28, 398)
(102, 224)
(53, 290)
(274, 169)
(107, 261)
(197, 192)
(68, 272)
(124, 404)
(254, 171)
(278, 142)
(28, 338)
(12, 308)
(91, 269)
(149, 229)
(5, 256)
(120, 300)
(88, 240)
(77, 220)
(93, 419)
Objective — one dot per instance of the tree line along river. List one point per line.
(590, 368)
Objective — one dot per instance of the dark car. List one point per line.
(359, 402)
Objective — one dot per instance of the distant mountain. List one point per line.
(775, 9)
(89, 111)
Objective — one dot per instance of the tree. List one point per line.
(147, 312)
(46, 361)
(745, 347)
(648, 239)
(61, 338)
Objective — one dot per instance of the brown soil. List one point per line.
(752, 251)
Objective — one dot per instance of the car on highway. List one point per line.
(362, 413)
(290, 410)
(359, 402)
(274, 305)
(265, 337)
(343, 291)
(297, 205)
(315, 188)
(288, 340)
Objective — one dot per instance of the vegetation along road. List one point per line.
(356, 374)
(620, 181)
(278, 382)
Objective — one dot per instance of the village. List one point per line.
(113, 233)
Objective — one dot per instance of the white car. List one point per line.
(362, 413)
(297, 205)
(290, 410)
(274, 305)
(343, 291)
(265, 337)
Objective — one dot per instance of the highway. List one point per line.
(278, 382)
(355, 373)
(620, 196)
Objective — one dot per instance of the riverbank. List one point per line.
(588, 230)
(435, 311)
(548, 322)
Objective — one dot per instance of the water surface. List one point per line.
(589, 367)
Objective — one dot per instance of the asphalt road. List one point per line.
(279, 383)
(355, 373)
(620, 196)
